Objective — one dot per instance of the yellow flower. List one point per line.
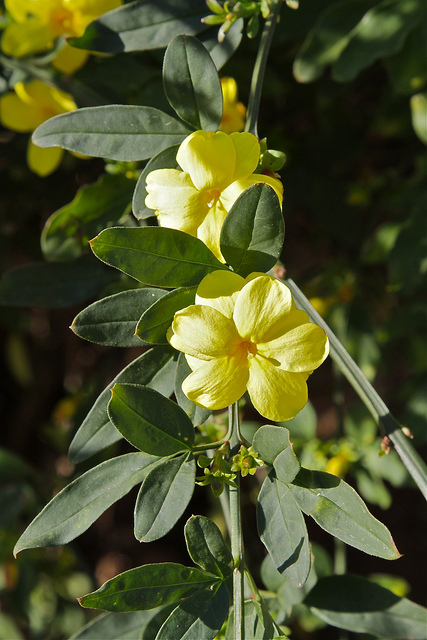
(217, 168)
(234, 112)
(25, 109)
(38, 23)
(246, 334)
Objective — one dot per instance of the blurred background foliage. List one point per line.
(347, 105)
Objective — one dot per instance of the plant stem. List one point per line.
(377, 407)
(259, 69)
(236, 530)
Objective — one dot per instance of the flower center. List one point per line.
(212, 196)
(62, 21)
(245, 350)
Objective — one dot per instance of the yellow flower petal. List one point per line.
(261, 309)
(301, 349)
(17, 115)
(177, 203)
(247, 154)
(43, 162)
(203, 332)
(210, 229)
(276, 394)
(219, 290)
(69, 59)
(27, 38)
(218, 383)
(210, 159)
(233, 191)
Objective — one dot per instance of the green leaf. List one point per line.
(221, 52)
(282, 529)
(139, 26)
(112, 320)
(328, 38)
(149, 421)
(12, 467)
(76, 507)
(253, 231)
(419, 115)
(166, 159)
(192, 85)
(147, 587)
(53, 285)
(258, 624)
(380, 33)
(163, 498)
(117, 626)
(156, 320)
(196, 414)
(200, 616)
(338, 509)
(155, 368)
(156, 256)
(117, 132)
(66, 233)
(207, 548)
(408, 68)
(359, 605)
(304, 424)
(274, 447)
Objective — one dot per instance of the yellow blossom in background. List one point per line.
(37, 24)
(247, 334)
(216, 169)
(234, 112)
(25, 109)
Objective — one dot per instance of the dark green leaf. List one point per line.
(163, 497)
(221, 52)
(76, 507)
(380, 33)
(282, 529)
(253, 231)
(207, 548)
(147, 587)
(117, 626)
(408, 67)
(258, 624)
(149, 421)
(155, 368)
(67, 232)
(328, 38)
(357, 604)
(200, 616)
(112, 321)
(117, 132)
(192, 84)
(338, 509)
(156, 320)
(166, 159)
(156, 256)
(138, 26)
(196, 414)
(52, 285)
(274, 447)
(12, 467)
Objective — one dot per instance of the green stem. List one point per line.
(377, 407)
(259, 69)
(236, 536)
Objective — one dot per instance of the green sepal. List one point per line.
(149, 421)
(156, 256)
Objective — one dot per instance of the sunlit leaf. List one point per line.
(141, 25)
(206, 546)
(117, 132)
(163, 497)
(200, 616)
(52, 285)
(66, 233)
(253, 232)
(359, 605)
(282, 529)
(156, 256)
(112, 320)
(148, 586)
(157, 319)
(155, 368)
(338, 509)
(192, 84)
(76, 507)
